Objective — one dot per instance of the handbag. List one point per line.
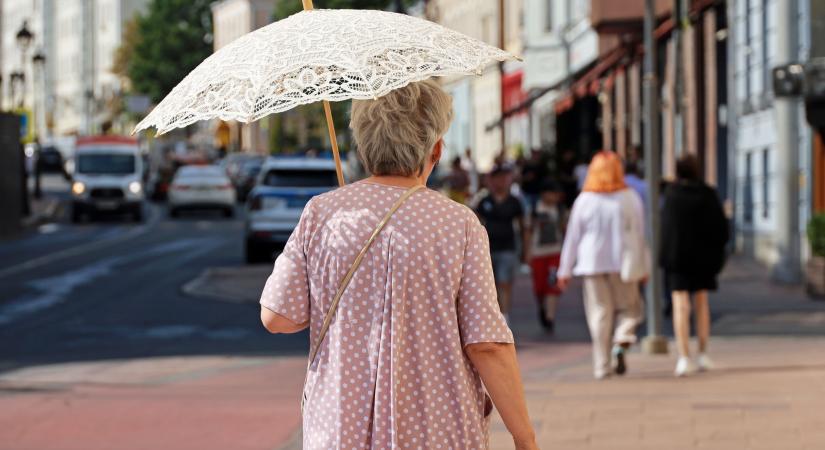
(635, 262)
(345, 282)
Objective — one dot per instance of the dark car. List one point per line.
(49, 159)
(247, 177)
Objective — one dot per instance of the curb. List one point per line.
(51, 212)
(229, 284)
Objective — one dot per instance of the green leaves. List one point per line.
(286, 8)
(816, 234)
(173, 37)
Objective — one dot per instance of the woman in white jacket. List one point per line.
(604, 244)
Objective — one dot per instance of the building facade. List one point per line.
(87, 33)
(232, 19)
(558, 43)
(478, 100)
(34, 91)
(757, 147)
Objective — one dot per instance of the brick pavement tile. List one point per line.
(720, 444)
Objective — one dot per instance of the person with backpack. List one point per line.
(545, 235)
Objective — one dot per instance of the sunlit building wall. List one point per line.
(754, 34)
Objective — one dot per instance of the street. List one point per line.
(112, 290)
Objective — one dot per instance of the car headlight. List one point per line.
(134, 187)
(78, 188)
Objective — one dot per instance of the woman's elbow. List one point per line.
(486, 349)
(275, 323)
(270, 322)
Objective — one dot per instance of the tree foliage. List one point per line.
(285, 8)
(171, 39)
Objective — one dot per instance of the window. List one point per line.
(769, 53)
(755, 53)
(747, 191)
(548, 15)
(765, 184)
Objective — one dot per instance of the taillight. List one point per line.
(255, 203)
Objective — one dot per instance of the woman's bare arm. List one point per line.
(276, 323)
(497, 365)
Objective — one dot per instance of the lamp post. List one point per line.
(24, 39)
(39, 99)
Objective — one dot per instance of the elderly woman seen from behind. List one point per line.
(606, 225)
(418, 328)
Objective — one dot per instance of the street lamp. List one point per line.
(39, 59)
(39, 99)
(24, 37)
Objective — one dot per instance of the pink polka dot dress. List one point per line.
(391, 372)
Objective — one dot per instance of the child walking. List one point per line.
(546, 234)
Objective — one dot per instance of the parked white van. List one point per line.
(107, 177)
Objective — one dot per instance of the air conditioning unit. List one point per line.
(788, 80)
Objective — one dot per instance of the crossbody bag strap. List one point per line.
(345, 281)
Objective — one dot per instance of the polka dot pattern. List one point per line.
(391, 372)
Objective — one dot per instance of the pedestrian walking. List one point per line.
(533, 174)
(546, 231)
(457, 182)
(404, 331)
(499, 211)
(694, 234)
(604, 244)
(634, 180)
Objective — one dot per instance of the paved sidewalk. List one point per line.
(767, 393)
(179, 403)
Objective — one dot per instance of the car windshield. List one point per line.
(307, 178)
(106, 163)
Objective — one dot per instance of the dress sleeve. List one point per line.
(479, 316)
(287, 289)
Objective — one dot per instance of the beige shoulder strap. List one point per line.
(345, 281)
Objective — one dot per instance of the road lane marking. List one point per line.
(154, 218)
(54, 290)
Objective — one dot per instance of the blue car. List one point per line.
(275, 204)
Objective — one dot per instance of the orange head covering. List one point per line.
(605, 173)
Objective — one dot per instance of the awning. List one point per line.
(531, 98)
(590, 82)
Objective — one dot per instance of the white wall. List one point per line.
(755, 40)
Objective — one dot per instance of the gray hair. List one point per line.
(397, 132)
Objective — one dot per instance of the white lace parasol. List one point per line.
(318, 55)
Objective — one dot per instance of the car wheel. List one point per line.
(229, 212)
(137, 214)
(77, 216)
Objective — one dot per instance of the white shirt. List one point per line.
(593, 242)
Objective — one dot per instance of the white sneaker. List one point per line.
(684, 367)
(704, 362)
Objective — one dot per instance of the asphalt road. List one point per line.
(112, 290)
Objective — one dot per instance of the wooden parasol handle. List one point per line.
(330, 123)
